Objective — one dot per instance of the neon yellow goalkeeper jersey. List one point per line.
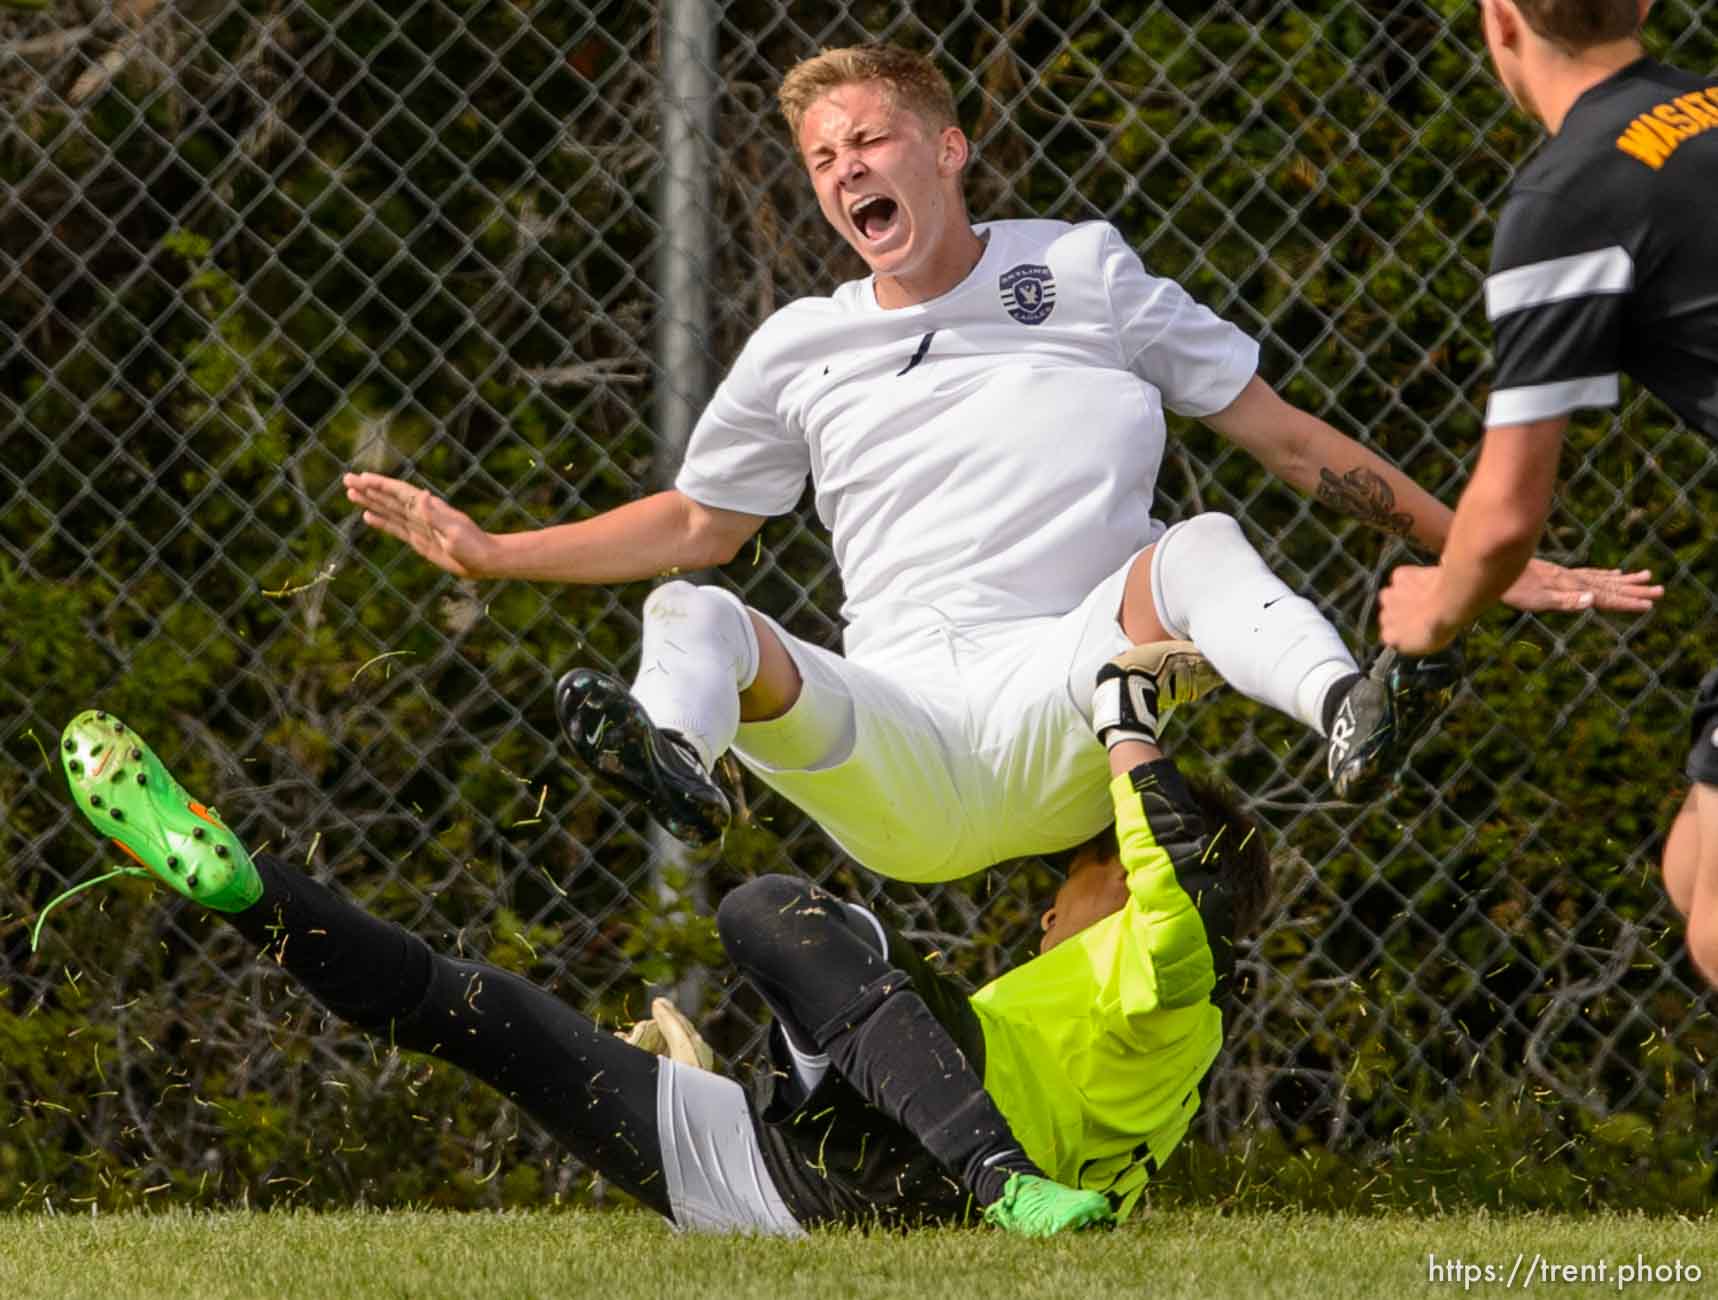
(1094, 1050)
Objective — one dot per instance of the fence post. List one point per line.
(690, 84)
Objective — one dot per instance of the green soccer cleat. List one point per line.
(1036, 1207)
(130, 797)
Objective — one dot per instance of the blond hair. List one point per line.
(910, 80)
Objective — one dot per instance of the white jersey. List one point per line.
(984, 457)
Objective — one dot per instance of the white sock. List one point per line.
(700, 651)
(1213, 589)
(810, 1067)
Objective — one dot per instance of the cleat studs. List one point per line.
(141, 779)
(220, 850)
(197, 832)
(172, 862)
(191, 881)
(136, 754)
(95, 801)
(101, 717)
(118, 814)
(71, 745)
(75, 765)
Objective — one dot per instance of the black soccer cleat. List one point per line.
(610, 731)
(1382, 716)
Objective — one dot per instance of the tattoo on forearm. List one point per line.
(1364, 494)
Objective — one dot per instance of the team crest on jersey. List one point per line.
(1028, 292)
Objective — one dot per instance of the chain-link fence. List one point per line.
(503, 249)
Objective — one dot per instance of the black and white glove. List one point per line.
(1138, 688)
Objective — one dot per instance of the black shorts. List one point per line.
(1702, 764)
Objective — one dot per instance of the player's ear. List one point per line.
(953, 150)
(1503, 22)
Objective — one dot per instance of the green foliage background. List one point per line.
(274, 242)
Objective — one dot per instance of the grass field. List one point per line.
(629, 1256)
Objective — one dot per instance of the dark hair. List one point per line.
(1243, 857)
(1576, 25)
(1237, 846)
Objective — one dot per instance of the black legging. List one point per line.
(593, 1092)
(814, 960)
(820, 968)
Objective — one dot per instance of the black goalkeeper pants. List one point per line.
(831, 978)
(594, 1093)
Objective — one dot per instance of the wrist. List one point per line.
(500, 555)
(1460, 593)
(1486, 554)
(1122, 713)
(1126, 755)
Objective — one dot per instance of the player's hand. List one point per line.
(444, 536)
(1136, 690)
(1547, 587)
(669, 1033)
(1410, 611)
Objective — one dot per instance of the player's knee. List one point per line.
(1702, 942)
(750, 918)
(684, 601)
(783, 930)
(672, 600)
(1213, 529)
(702, 616)
(1680, 863)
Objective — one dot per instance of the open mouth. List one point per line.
(876, 217)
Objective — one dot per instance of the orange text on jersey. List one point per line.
(1654, 135)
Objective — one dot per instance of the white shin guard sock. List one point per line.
(1212, 588)
(700, 651)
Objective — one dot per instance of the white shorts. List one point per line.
(934, 759)
(715, 1172)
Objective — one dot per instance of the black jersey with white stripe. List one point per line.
(1606, 256)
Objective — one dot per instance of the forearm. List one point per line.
(660, 534)
(1162, 837)
(1355, 480)
(1309, 454)
(1498, 523)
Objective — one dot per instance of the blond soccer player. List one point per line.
(982, 418)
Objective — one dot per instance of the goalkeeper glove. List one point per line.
(1136, 690)
(669, 1033)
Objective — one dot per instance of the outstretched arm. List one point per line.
(1303, 450)
(658, 534)
(1498, 522)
